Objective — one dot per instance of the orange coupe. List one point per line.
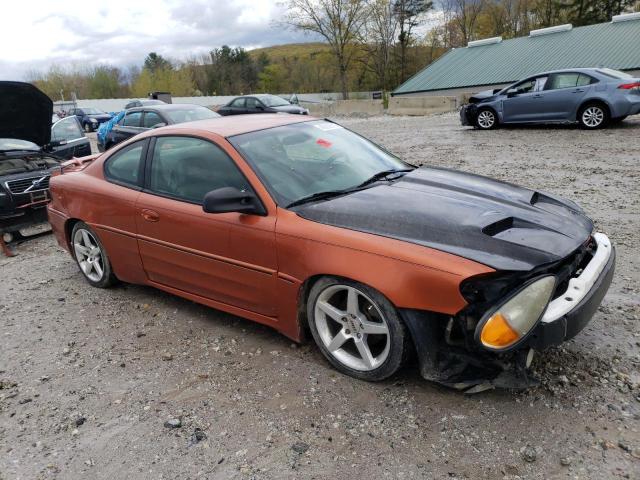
(303, 225)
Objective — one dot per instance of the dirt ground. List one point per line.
(89, 377)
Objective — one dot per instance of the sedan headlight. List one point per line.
(505, 326)
(93, 120)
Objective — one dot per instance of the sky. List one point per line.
(36, 34)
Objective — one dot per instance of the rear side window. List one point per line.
(562, 80)
(151, 119)
(125, 166)
(132, 119)
(188, 168)
(584, 80)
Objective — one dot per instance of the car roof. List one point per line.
(166, 106)
(238, 124)
(567, 70)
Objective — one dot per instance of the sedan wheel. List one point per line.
(486, 119)
(357, 329)
(593, 116)
(91, 257)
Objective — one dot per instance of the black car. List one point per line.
(140, 119)
(90, 118)
(261, 104)
(143, 103)
(28, 155)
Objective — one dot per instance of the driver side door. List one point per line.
(523, 105)
(225, 257)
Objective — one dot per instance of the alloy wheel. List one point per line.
(486, 119)
(352, 328)
(89, 255)
(593, 116)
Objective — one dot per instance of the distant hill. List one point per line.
(291, 50)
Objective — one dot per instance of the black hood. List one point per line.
(25, 113)
(498, 224)
(289, 109)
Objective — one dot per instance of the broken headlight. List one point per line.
(505, 326)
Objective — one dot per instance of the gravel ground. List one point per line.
(131, 383)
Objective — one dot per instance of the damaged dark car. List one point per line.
(28, 157)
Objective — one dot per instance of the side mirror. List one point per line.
(160, 124)
(512, 92)
(230, 199)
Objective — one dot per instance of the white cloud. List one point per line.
(35, 34)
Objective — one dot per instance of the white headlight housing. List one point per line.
(512, 321)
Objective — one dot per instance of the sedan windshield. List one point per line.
(7, 144)
(273, 101)
(190, 114)
(308, 159)
(92, 111)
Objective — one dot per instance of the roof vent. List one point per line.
(544, 31)
(484, 41)
(625, 17)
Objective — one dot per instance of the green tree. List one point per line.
(409, 14)
(154, 62)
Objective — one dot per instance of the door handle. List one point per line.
(150, 215)
(578, 90)
(538, 95)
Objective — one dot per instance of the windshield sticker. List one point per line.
(326, 126)
(323, 143)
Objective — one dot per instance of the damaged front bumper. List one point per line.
(476, 369)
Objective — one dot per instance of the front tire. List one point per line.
(356, 328)
(91, 256)
(593, 116)
(486, 119)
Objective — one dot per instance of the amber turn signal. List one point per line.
(497, 333)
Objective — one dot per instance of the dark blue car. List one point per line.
(90, 118)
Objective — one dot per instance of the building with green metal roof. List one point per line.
(494, 62)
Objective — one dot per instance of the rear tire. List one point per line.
(357, 329)
(486, 119)
(91, 256)
(593, 116)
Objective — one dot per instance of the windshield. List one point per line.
(302, 159)
(190, 114)
(92, 111)
(273, 101)
(15, 144)
(614, 73)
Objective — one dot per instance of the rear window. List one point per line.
(608, 72)
(190, 114)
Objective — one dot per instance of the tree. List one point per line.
(381, 28)
(154, 62)
(465, 16)
(409, 14)
(339, 22)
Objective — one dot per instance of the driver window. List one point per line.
(238, 102)
(252, 103)
(526, 86)
(187, 168)
(540, 83)
(66, 129)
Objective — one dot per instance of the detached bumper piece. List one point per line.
(468, 114)
(568, 314)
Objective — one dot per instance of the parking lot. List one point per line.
(89, 377)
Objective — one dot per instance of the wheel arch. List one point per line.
(488, 106)
(593, 101)
(68, 229)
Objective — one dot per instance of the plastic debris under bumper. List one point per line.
(569, 313)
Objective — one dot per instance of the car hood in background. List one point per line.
(498, 224)
(289, 109)
(100, 116)
(484, 95)
(25, 113)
